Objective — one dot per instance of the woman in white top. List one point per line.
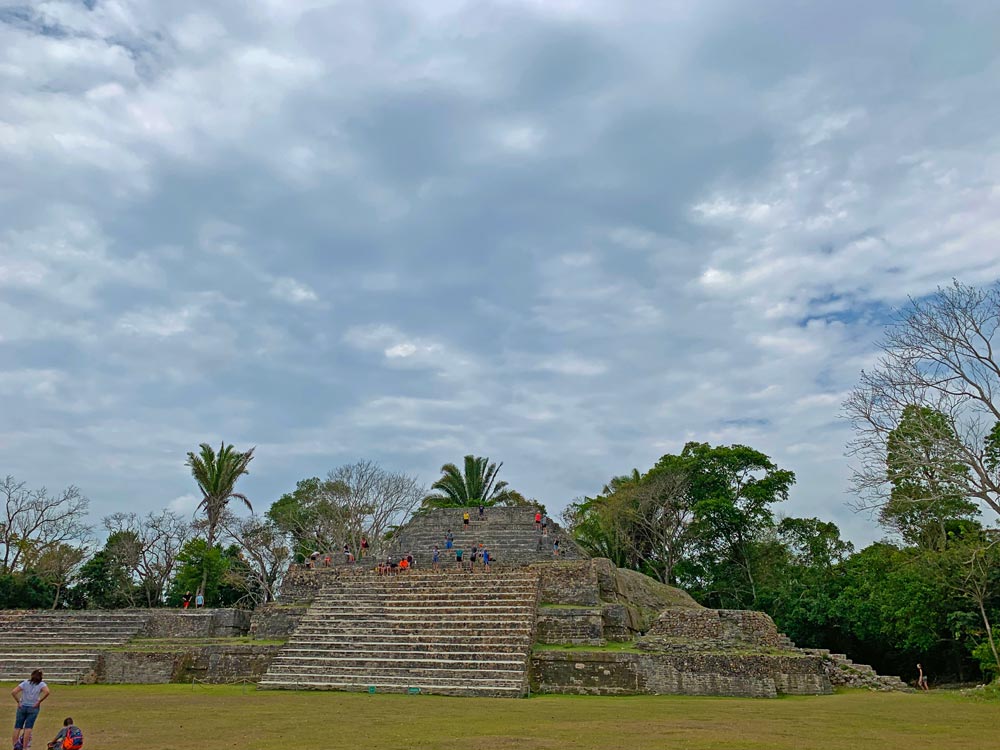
(29, 696)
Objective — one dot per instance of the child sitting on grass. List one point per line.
(69, 738)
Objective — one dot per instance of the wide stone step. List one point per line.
(382, 662)
(405, 650)
(396, 609)
(435, 589)
(382, 685)
(452, 575)
(42, 659)
(477, 676)
(443, 588)
(385, 641)
(380, 627)
(34, 642)
(428, 603)
(431, 598)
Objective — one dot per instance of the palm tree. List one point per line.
(477, 484)
(216, 475)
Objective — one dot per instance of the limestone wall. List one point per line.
(301, 584)
(629, 602)
(576, 625)
(627, 673)
(276, 620)
(569, 583)
(723, 626)
(197, 623)
(219, 664)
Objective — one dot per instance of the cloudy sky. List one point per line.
(569, 235)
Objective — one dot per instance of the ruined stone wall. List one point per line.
(568, 583)
(301, 584)
(627, 673)
(629, 602)
(723, 626)
(576, 625)
(276, 620)
(219, 664)
(197, 623)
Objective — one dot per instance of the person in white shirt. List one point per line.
(29, 696)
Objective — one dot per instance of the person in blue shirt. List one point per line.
(68, 728)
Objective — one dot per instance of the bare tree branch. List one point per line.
(33, 521)
(938, 353)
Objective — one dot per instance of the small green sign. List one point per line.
(371, 689)
(413, 691)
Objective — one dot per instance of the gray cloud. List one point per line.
(570, 235)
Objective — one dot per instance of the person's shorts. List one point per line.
(25, 718)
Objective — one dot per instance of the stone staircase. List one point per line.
(449, 633)
(843, 672)
(64, 645)
(509, 534)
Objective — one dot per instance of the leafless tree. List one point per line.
(266, 551)
(148, 546)
(661, 512)
(372, 500)
(354, 501)
(939, 355)
(34, 521)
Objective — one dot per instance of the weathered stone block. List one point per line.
(577, 625)
(619, 673)
(568, 583)
(197, 623)
(276, 621)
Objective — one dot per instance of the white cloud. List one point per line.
(290, 290)
(559, 262)
(185, 504)
(571, 364)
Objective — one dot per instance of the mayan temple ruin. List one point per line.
(537, 622)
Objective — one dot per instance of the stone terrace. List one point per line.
(508, 533)
(64, 645)
(450, 633)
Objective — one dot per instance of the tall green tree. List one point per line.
(104, 581)
(216, 475)
(475, 483)
(224, 584)
(732, 489)
(922, 463)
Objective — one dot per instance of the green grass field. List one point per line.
(182, 717)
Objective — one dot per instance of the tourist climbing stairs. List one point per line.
(452, 633)
(64, 645)
(510, 535)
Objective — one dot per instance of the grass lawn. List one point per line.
(179, 717)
